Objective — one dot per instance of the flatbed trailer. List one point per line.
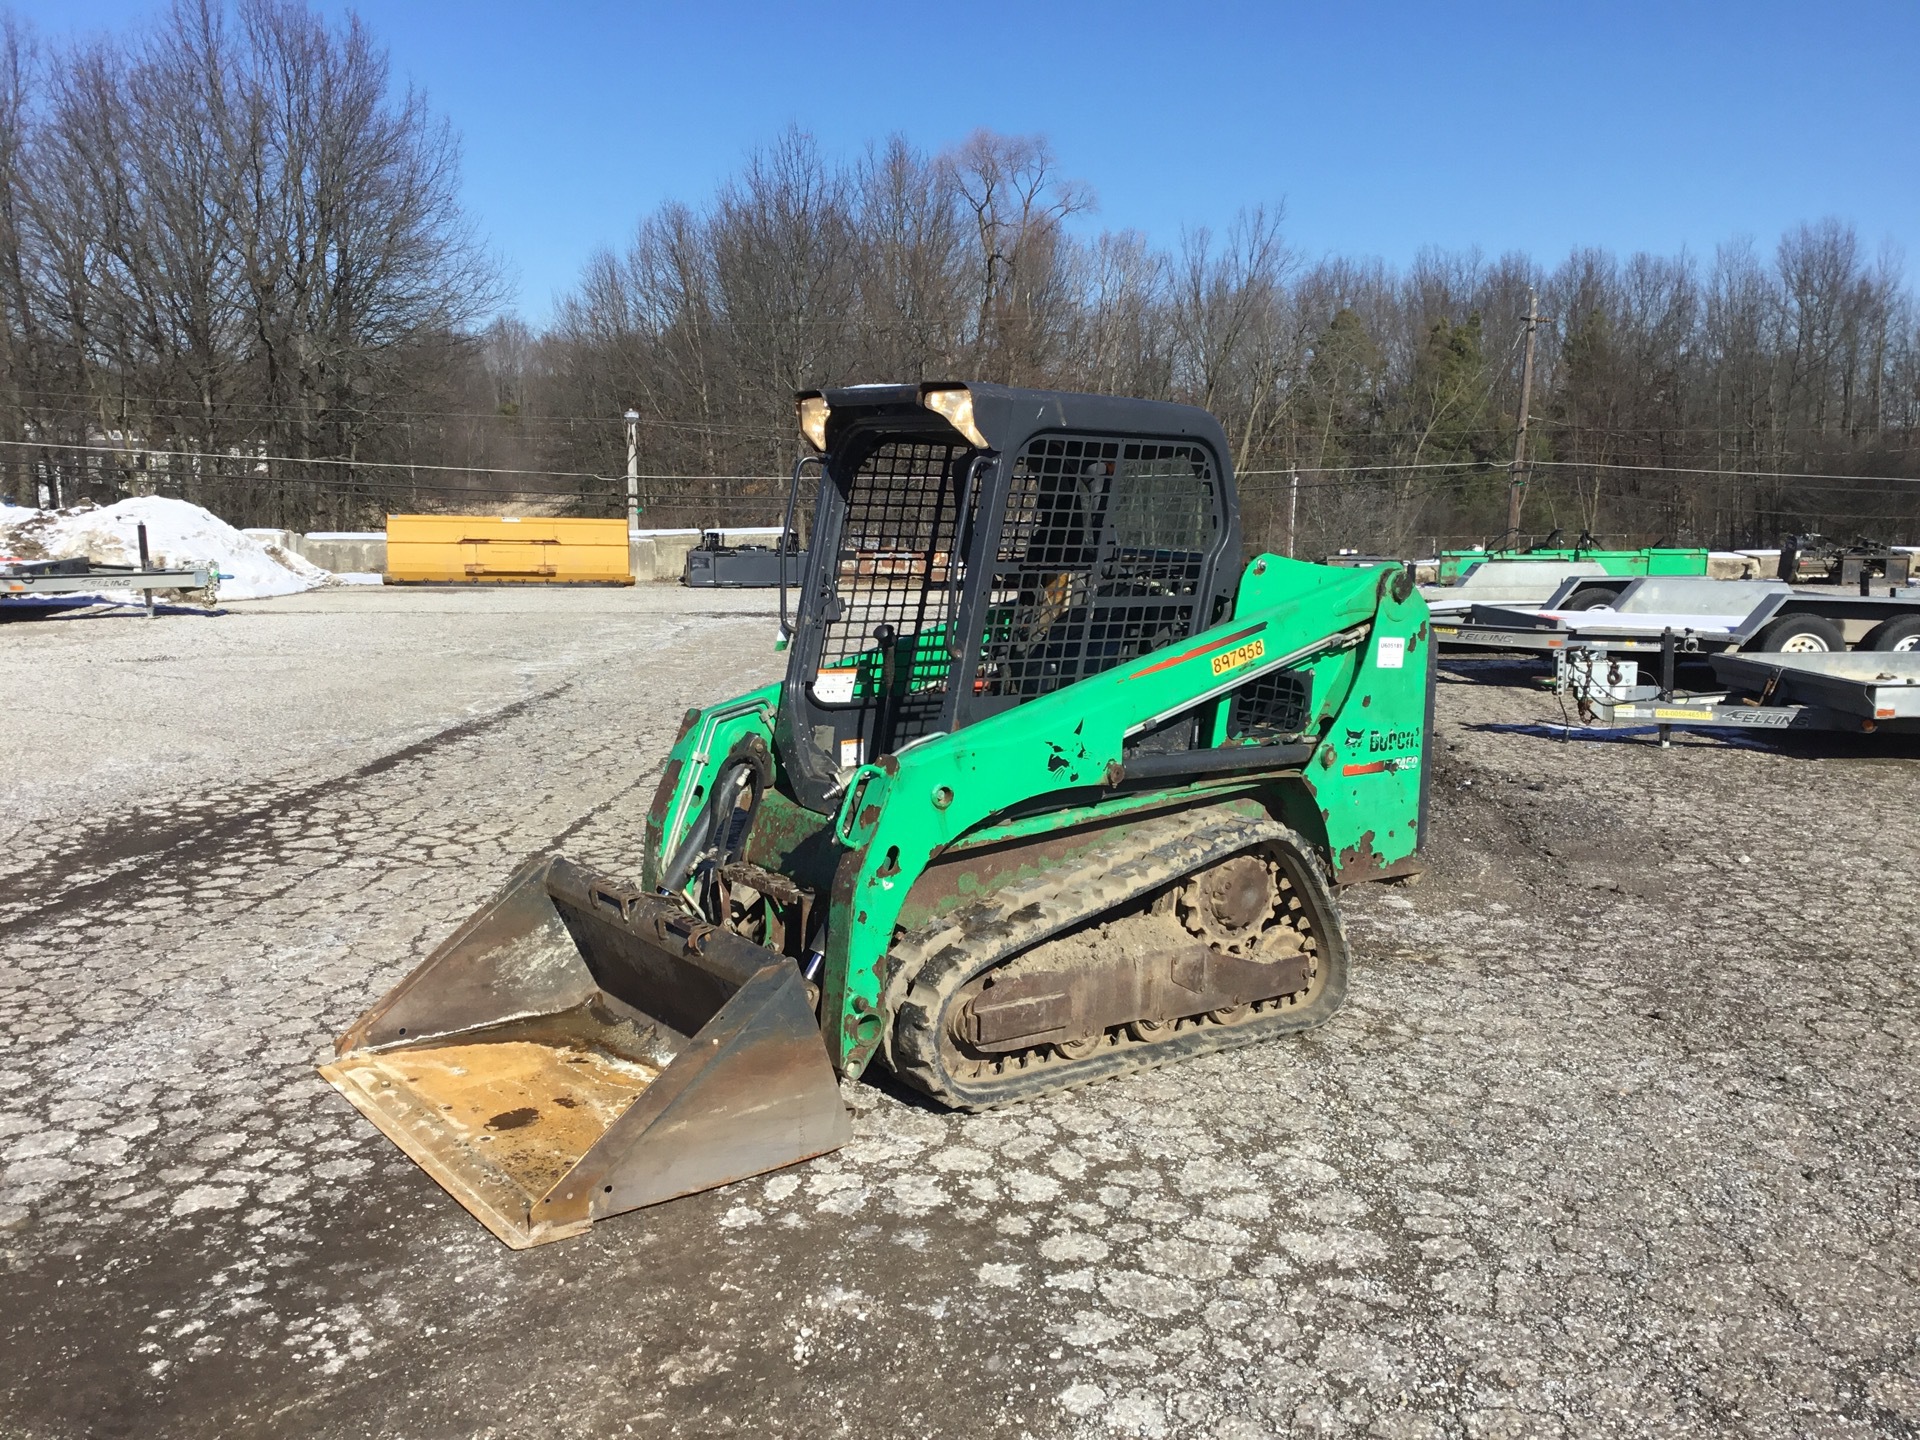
(1705, 616)
(1620, 564)
(1506, 580)
(1861, 692)
(23, 581)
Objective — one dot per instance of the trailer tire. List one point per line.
(1900, 633)
(1801, 634)
(1600, 597)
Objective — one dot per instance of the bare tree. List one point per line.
(232, 239)
(1017, 204)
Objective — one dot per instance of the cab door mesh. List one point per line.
(897, 567)
(1101, 556)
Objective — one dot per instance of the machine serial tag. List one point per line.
(1240, 655)
(1393, 652)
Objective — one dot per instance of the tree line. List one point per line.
(232, 262)
(234, 266)
(1388, 397)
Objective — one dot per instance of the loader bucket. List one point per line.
(578, 1048)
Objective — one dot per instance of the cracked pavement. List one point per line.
(1616, 1135)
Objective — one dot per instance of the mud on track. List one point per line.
(1617, 1134)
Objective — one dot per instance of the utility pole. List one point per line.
(1518, 477)
(633, 469)
(1293, 507)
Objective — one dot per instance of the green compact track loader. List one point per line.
(1057, 786)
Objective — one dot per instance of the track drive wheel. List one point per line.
(1129, 926)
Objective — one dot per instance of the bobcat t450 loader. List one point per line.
(1056, 787)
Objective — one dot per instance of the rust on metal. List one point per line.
(1361, 871)
(1361, 862)
(501, 1118)
(763, 881)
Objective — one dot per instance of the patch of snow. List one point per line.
(961, 1158)
(179, 535)
(1071, 1247)
(208, 1197)
(1093, 1328)
(1082, 1399)
(1138, 1415)
(358, 577)
(917, 1194)
(1033, 1189)
(740, 1217)
(1150, 1295)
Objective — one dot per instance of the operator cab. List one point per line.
(975, 546)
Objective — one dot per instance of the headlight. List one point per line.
(955, 403)
(813, 420)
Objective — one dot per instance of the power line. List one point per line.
(1729, 474)
(531, 418)
(1342, 469)
(1485, 466)
(257, 407)
(215, 458)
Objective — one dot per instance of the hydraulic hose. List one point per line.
(720, 823)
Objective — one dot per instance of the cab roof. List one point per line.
(1006, 416)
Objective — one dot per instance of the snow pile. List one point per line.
(11, 515)
(179, 536)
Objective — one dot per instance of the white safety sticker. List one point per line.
(1392, 654)
(834, 687)
(849, 753)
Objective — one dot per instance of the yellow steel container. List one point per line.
(507, 550)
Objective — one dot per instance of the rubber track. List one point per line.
(934, 964)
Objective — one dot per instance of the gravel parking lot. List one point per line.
(1616, 1135)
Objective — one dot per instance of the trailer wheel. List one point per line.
(1801, 635)
(1600, 597)
(1900, 633)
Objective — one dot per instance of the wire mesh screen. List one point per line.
(1100, 559)
(1274, 707)
(896, 550)
(897, 573)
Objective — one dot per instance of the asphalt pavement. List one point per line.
(1616, 1135)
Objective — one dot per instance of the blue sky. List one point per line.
(1382, 127)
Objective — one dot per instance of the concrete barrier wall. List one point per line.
(360, 552)
(660, 557)
(1734, 565)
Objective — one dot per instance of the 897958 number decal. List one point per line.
(1240, 655)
